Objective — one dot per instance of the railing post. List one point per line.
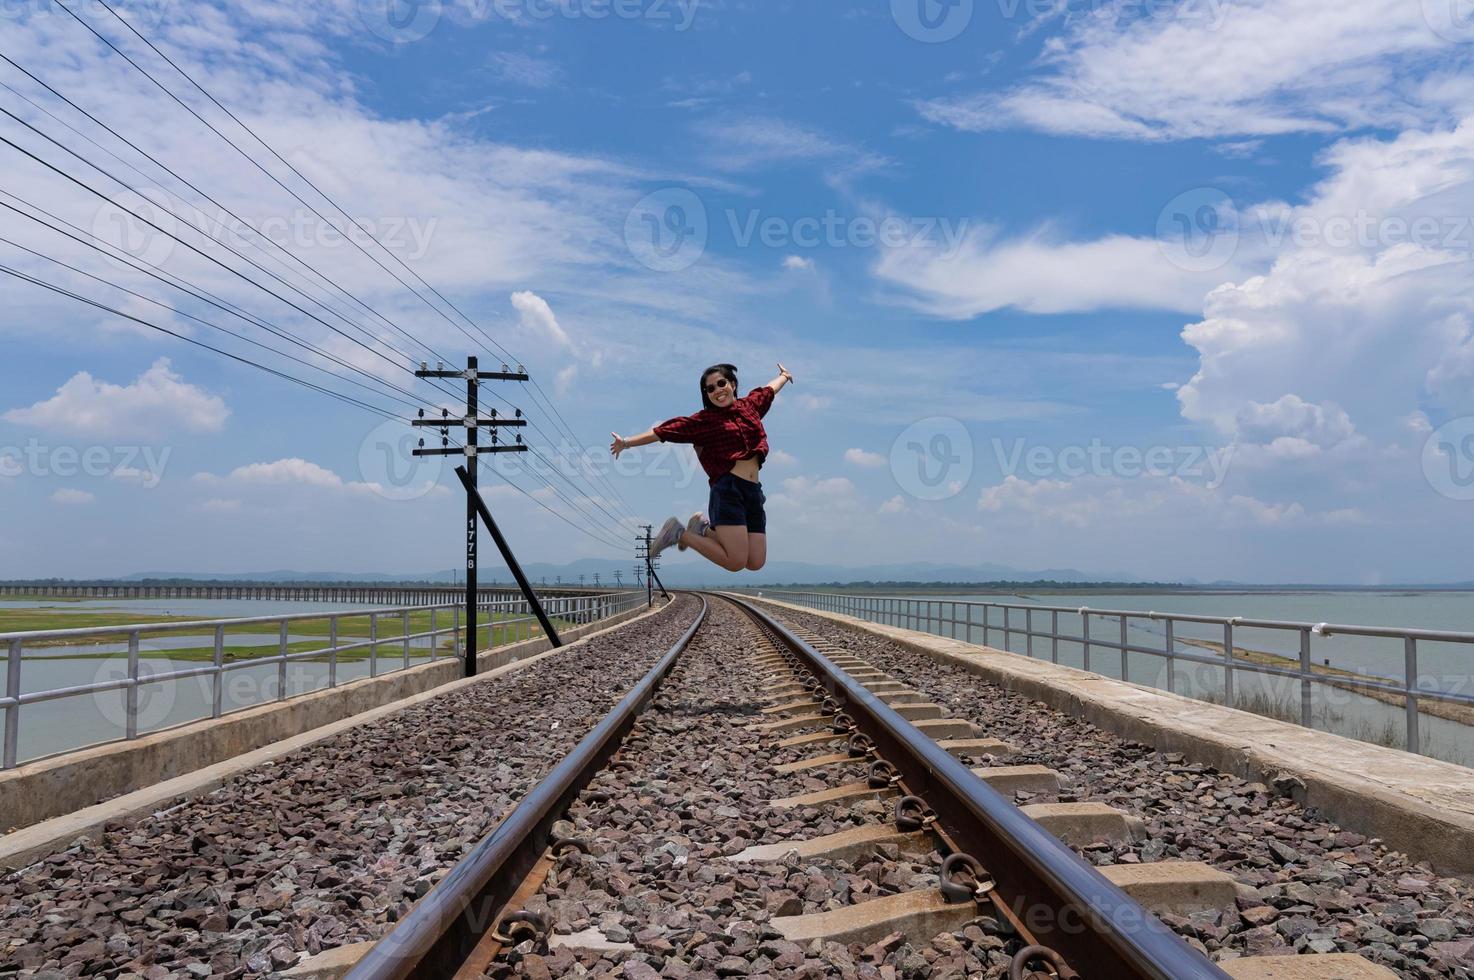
(1029, 632)
(434, 635)
(1054, 636)
(1228, 664)
(986, 635)
(1171, 660)
(1125, 662)
(12, 713)
(332, 651)
(132, 695)
(1007, 627)
(281, 667)
(456, 623)
(217, 694)
(1305, 714)
(406, 640)
(374, 644)
(1411, 682)
(1085, 635)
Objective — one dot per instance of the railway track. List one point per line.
(783, 808)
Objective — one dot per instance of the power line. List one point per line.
(321, 193)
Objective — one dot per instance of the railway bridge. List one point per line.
(724, 785)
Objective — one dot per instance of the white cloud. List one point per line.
(798, 263)
(780, 458)
(1223, 69)
(218, 505)
(159, 401)
(1042, 273)
(865, 458)
(757, 142)
(72, 497)
(817, 503)
(538, 319)
(1089, 501)
(526, 69)
(895, 505)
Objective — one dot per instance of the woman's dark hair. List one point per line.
(727, 371)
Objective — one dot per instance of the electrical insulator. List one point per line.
(422, 444)
(422, 413)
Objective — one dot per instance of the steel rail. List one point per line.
(440, 931)
(1064, 902)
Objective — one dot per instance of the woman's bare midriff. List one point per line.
(746, 469)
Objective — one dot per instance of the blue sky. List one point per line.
(1172, 289)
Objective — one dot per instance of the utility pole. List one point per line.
(642, 561)
(475, 506)
(596, 580)
(618, 579)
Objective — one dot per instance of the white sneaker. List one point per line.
(695, 526)
(670, 533)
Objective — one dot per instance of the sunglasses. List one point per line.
(719, 384)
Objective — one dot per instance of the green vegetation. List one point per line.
(351, 627)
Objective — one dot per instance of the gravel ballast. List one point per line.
(1310, 886)
(324, 847)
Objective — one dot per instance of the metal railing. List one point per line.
(361, 635)
(980, 621)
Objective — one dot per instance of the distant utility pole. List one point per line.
(618, 579)
(475, 505)
(596, 580)
(642, 561)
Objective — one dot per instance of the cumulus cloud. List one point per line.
(72, 497)
(895, 505)
(865, 458)
(1042, 273)
(538, 319)
(158, 402)
(1216, 69)
(798, 263)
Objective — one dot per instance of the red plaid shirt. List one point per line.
(722, 436)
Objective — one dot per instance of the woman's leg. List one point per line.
(726, 546)
(757, 550)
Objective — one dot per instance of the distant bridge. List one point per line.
(379, 595)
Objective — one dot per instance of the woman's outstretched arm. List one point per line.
(784, 377)
(620, 444)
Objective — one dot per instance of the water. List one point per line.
(1443, 667)
(74, 722)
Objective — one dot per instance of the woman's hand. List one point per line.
(784, 373)
(618, 445)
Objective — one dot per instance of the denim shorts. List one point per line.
(738, 501)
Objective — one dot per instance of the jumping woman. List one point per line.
(731, 444)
